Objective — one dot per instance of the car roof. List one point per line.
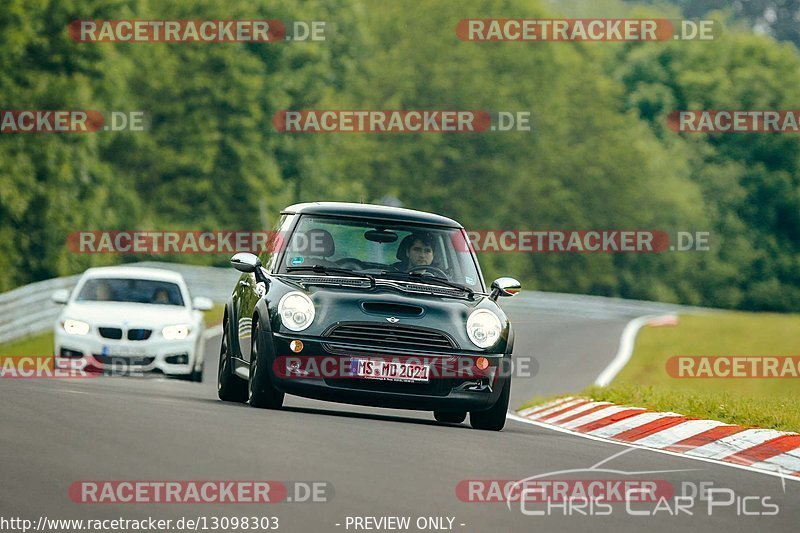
(155, 274)
(382, 212)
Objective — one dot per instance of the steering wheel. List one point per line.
(349, 262)
(438, 272)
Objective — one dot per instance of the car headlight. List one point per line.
(176, 332)
(75, 327)
(483, 328)
(296, 311)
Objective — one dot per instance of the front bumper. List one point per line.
(173, 357)
(446, 390)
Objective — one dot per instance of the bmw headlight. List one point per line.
(483, 328)
(296, 310)
(176, 332)
(75, 327)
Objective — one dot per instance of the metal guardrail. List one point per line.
(28, 310)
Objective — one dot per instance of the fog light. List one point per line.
(177, 359)
(482, 363)
(296, 346)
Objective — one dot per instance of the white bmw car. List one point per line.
(130, 319)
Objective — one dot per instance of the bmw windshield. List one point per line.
(382, 249)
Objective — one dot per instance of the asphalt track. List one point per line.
(380, 462)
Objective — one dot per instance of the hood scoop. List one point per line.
(392, 309)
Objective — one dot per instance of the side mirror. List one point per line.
(245, 262)
(201, 303)
(505, 287)
(61, 296)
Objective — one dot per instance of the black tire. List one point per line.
(230, 387)
(262, 393)
(494, 418)
(450, 417)
(196, 376)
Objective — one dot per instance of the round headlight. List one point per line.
(296, 310)
(483, 328)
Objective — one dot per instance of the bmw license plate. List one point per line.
(390, 370)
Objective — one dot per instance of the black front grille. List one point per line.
(139, 334)
(372, 335)
(110, 333)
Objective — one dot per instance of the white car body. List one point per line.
(182, 356)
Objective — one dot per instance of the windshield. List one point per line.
(381, 248)
(143, 291)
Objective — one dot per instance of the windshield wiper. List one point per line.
(419, 276)
(322, 269)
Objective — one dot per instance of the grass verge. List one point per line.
(767, 403)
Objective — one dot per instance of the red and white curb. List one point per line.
(764, 450)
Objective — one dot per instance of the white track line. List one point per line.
(625, 350)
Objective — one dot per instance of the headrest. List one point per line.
(402, 250)
(317, 242)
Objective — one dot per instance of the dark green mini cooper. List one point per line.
(369, 305)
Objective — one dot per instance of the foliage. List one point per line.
(599, 156)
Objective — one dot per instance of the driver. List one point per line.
(418, 253)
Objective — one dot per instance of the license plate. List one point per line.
(390, 370)
(122, 351)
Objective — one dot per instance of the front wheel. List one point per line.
(230, 387)
(495, 418)
(262, 393)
